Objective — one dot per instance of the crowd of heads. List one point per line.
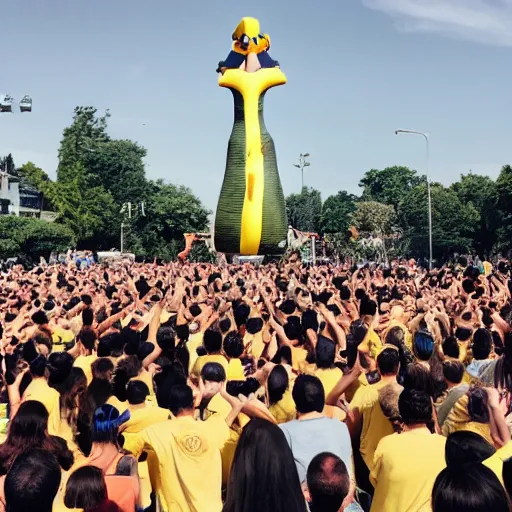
(321, 375)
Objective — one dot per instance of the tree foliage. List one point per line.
(374, 218)
(7, 165)
(389, 185)
(337, 212)
(32, 237)
(97, 175)
(172, 211)
(305, 210)
(454, 224)
(482, 193)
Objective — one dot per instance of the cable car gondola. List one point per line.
(26, 104)
(6, 101)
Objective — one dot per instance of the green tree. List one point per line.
(453, 224)
(304, 210)
(171, 212)
(374, 218)
(7, 165)
(32, 237)
(482, 193)
(119, 167)
(80, 140)
(389, 185)
(88, 210)
(33, 176)
(337, 212)
(504, 207)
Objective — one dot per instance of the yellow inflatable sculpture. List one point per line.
(251, 214)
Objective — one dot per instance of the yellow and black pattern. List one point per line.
(251, 214)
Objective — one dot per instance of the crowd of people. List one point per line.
(191, 387)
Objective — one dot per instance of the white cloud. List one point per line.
(483, 21)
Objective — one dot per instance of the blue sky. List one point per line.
(357, 70)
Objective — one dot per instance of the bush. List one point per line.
(32, 237)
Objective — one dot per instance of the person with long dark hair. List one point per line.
(263, 475)
(470, 488)
(28, 430)
(75, 419)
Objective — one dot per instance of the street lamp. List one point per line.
(302, 163)
(425, 136)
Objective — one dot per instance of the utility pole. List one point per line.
(126, 210)
(302, 163)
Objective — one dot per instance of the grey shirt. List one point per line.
(308, 438)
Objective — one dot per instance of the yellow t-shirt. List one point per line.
(141, 419)
(115, 402)
(146, 377)
(188, 454)
(375, 425)
(67, 433)
(487, 267)
(220, 408)
(144, 418)
(329, 377)
(194, 342)
(361, 382)
(40, 391)
(404, 471)
(235, 370)
(213, 358)
(459, 419)
(495, 461)
(85, 362)
(371, 344)
(284, 410)
(257, 345)
(61, 336)
(299, 355)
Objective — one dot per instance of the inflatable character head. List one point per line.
(247, 40)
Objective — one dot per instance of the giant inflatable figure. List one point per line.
(251, 215)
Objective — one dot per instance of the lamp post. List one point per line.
(425, 136)
(302, 163)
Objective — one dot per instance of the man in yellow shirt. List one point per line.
(86, 343)
(372, 344)
(366, 421)
(406, 465)
(142, 415)
(212, 342)
(234, 348)
(325, 354)
(188, 453)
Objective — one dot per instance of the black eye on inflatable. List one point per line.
(244, 42)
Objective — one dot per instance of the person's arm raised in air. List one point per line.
(154, 325)
(13, 391)
(110, 321)
(499, 430)
(344, 383)
(339, 333)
